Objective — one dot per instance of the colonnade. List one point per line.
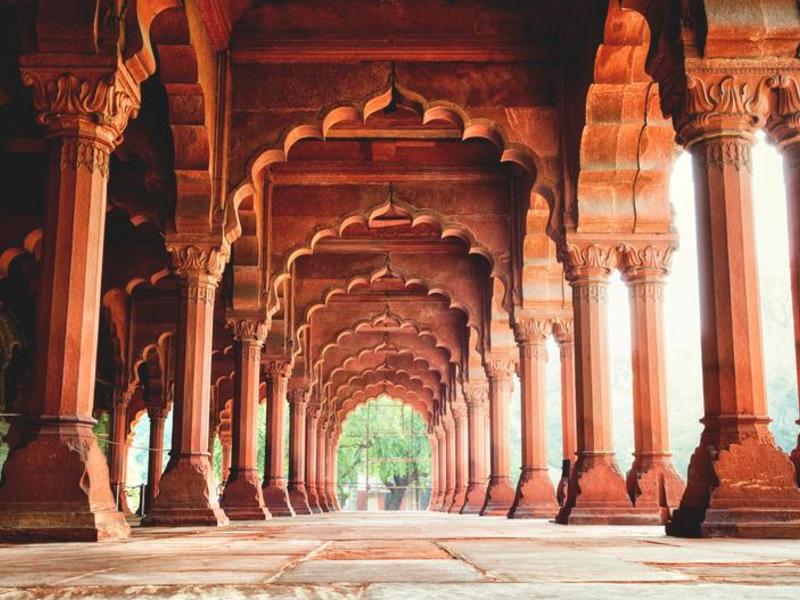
(56, 482)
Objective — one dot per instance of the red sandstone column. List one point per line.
(242, 498)
(535, 497)
(476, 395)
(55, 483)
(450, 444)
(188, 491)
(298, 405)
(566, 345)
(275, 490)
(119, 451)
(334, 465)
(597, 492)
(226, 442)
(500, 492)
(785, 133)
(442, 471)
(322, 457)
(653, 483)
(462, 456)
(155, 462)
(312, 422)
(434, 443)
(740, 483)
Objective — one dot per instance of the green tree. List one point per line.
(384, 443)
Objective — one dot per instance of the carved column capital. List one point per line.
(193, 261)
(448, 423)
(589, 259)
(532, 330)
(459, 410)
(501, 367)
(476, 393)
(646, 260)
(564, 331)
(784, 124)
(724, 104)
(277, 368)
(157, 411)
(438, 430)
(298, 397)
(253, 331)
(92, 101)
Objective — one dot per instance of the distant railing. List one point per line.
(383, 497)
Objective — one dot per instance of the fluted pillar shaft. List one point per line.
(450, 445)
(119, 451)
(298, 405)
(596, 492)
(155, 462)
(312, 422)
(535, 496)
(653, 482)
(243, 499)
(49, 491)
(275, 489)
(442, 471)
(785, 133)
(726, 493)
(322, 458)
(476, 395)
(435, 477)
(188, 491)
(500, 492)
(563, 331)
(462, 456)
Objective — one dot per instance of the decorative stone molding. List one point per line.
(107, 97)
(532, 330)
(251, 330)
(449, 424)
(459, 410)
(587, 259)
(476, 394)
(564, 331)
(715, 103)
(298, 397)
(500, 367)
(81, 154)
(189, 260)
(277, 369)
(647, 258)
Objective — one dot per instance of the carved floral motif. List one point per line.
(582, 258)
(531, 330)
(277, 369)
(195, 260)
(77, 154)
(476, 394)
(108, 99)
(248, 329)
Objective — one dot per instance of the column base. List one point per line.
(535, 497)
(299, 499)
(187, 495)
(313, 499)
(437, 501)
(459, 499)
(563, 483)
(476, 496)
(55, 488)
(747, 489)
(242, 499)
(276, 499)
(499, 497)
(597, 496)
(653, 483)
(447, 501)
(323, 501)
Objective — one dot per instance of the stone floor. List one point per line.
(404, 555)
